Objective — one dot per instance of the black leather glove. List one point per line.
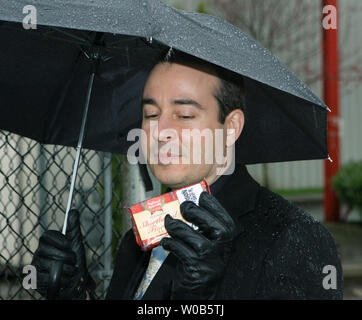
(202, 254)
(61, 264)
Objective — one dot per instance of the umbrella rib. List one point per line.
(47, 33)
(82, 40)
(65, 40)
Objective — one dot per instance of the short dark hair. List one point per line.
(230, 94)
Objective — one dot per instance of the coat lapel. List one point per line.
(239, 195)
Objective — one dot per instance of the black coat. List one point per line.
(279, 253)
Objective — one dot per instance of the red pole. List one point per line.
(331, 98)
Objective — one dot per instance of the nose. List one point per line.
(162, 130)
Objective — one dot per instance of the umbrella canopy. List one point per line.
(44, 76)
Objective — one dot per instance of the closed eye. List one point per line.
(187, 117)
(151, 116)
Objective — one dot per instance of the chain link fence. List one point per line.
(34, 188)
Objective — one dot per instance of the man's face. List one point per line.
(176, 98)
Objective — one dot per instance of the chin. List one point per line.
(171, 175)
(174, 176)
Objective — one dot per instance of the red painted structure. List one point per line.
(331, 98)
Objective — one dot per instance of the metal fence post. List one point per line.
(331, 97)
(107, 220)
(41, 166)
(133, 190)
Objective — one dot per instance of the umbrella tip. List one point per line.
(329, 110)
(330, 159)
(169, 54)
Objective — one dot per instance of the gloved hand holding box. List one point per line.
(148, 216)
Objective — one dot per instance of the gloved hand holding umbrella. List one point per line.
(61, 265)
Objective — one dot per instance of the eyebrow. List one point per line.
(176, 102)
(148, 101)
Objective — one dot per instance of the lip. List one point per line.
(167, 158)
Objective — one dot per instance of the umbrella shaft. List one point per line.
(79, 149)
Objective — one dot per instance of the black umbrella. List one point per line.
(96, 55)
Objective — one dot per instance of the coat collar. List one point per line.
(238, 192)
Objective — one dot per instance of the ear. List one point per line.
(234, 124)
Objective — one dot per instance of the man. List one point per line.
(250, 243)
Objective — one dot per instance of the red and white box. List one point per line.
(148, 216)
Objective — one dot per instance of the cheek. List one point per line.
(145, 140)
(147, 133)
(145, 129)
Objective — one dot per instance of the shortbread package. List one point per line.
(148, 216)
